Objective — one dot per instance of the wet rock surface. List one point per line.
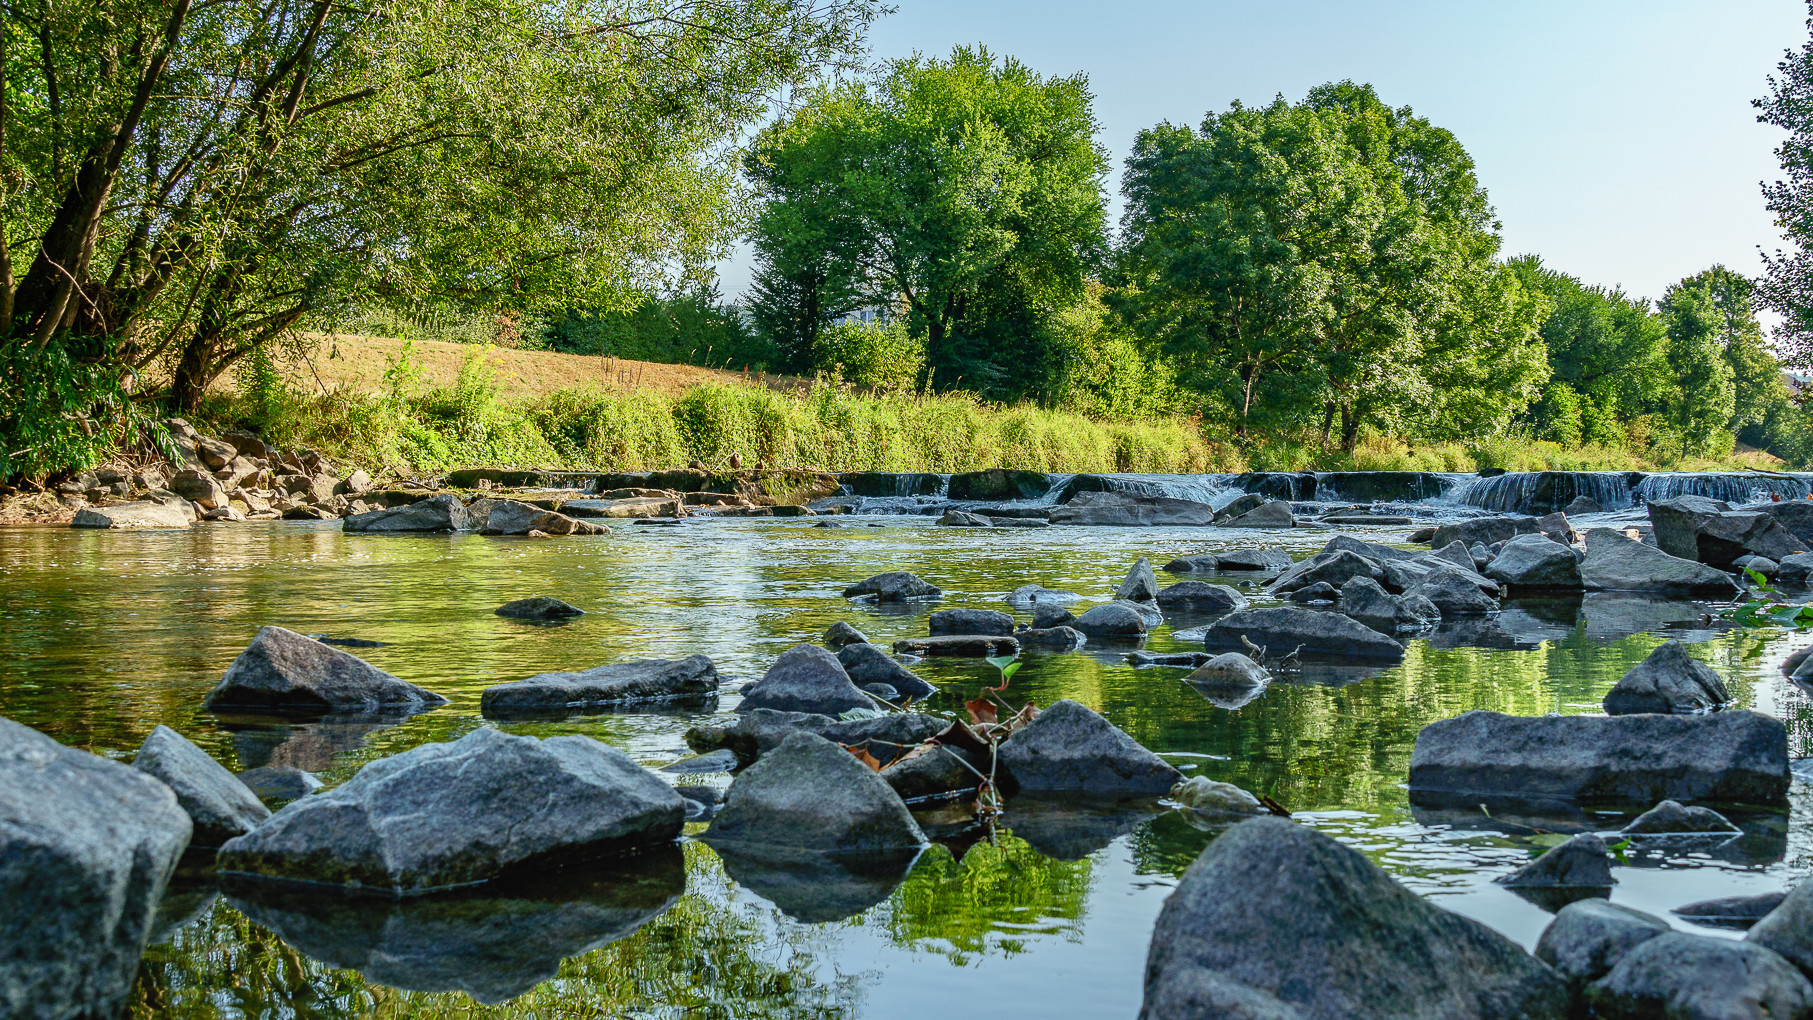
(1618, 563)
(1201, 597)
(868, 664)
(1309, 631)
(967, 646)
(1588, 937)
(219, 806)
(1071, 748)
(970, 621)
(759, 731)
(539, 608)
(1581, 861)
(1682, 975)
(619, 683)
(436, 513)
(1670, 680)
(87, 846)
(805, 678)
(444, 815)
(893, 586)
(283, 671)
(808, 794)
(1277, 920)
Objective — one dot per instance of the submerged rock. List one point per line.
(1619, 563)
(1733, 912)
(87, 846)
(867, 664)
(805, 678)
(619, 683)
(541, 607)
(1736, 757)
(817, 888)
(971, 646)
(970, 621)
(443, 815)
(1071, 748)
(893, 586)
(1681, 975)
(1230, 671)
(1275, 920)
(1588, 937)
(1200, 793)
(1033, 594)
(810, 794)
(1581, 861)
(493, 944)
(218, 804)
(1201, 597)
(1672, 817)
(761, 730)
(1669, 680)
(283, 671)
(1060, 638)
(1280, 631)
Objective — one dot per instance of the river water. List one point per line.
(104, 635)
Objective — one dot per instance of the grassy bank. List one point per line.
(406, 425)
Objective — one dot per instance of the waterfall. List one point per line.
(1544, 492)
(1727, 487)
(1214, 489)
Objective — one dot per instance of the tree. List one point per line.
(186, 180)
(1337, 242)
(1701, 407)
(1786, 286)
(935, 183)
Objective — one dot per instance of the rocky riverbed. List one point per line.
(647, 674)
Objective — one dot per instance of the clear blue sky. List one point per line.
(1616, 138)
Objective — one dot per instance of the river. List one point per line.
(107, 634)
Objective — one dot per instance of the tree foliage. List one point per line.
(1786, 285)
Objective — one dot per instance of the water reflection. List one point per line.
(105, 635)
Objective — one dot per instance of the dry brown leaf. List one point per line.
(862, 755)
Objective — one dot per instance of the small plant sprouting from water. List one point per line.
(1770, 612)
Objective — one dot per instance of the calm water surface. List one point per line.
(104, 635)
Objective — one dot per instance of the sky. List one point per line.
(1615, 138)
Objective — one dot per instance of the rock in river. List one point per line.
(513, 517)
(1588, 937)
(1071, 748)
(1738, 913)
(1315, 633)
(436, 513)
(1277, 921)
(1682, 975)
(1365, 602)
(1581, 861)
(840, 634)
(541, 607)
(1275, 514)
(1697, 528)
(1453, 594)
(619, 683)
(1034, 594)
(218, 804)
(87, 846)
(1669, 680)
(1672, 818)
(285, 672)
(1113, 621)
(970, 621)
(1737, 757)
(969, 646)
(867, 664)
(1132, 509)
(805, 678)
(893, 586)
(1334, 566)
(1788, 929)
(1201, 597)
(1535, 561)
(1140, 584)
(755, 733)
(145, 513)
(1262, 560)
(1618, 563)
(443, 815)
(1060, 638)
(810, 794)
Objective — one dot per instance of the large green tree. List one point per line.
(1786, 285)
(1340, 245)
(949, 187)
(185, 180)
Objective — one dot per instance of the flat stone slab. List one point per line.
(974, 646)
(619, 683)
(142, 514)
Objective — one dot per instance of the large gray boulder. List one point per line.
(145, 513)
(753, 734)
(1277, 921)
(1259, 560)
(1738, 757)
(283, 671)
(1453, 593)
(970, 621)
(805, 678)
(513, 517)
(1706, 530)
(893, 586)
(1698, 976)
(1140, 584)
(1794, 514)
(1485, 530)
(1334, 566)
(87, 846)
(1201, 597)
(1314, 633)
(436, 513)
(1365, 602)
(491, 944)
(1617, 562)
(1111, 622)
(1534, 561)
(1669, 680)
(1070, 748)
(218, 804)
(1275, 514)
(1132, 509)
(1788, 929)
(1588, 938)
(619, 683)
(867, 664)
(810, 794)
(443, 815)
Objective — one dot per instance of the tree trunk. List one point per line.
(1328, 422)
(1350, 428)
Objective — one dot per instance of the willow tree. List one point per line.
(186, 180)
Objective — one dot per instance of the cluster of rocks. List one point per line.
(1545, 554)
(1135, 509)
(1771, 538)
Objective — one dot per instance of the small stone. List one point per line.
(1321, 591)
(1033, 594)
(219, 805)
(840, 634)
(1200, 793)
(970, 621)
(1669, 680)
(1671, 817)
(1581, 861)
(894, 586)
(1140, 584)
